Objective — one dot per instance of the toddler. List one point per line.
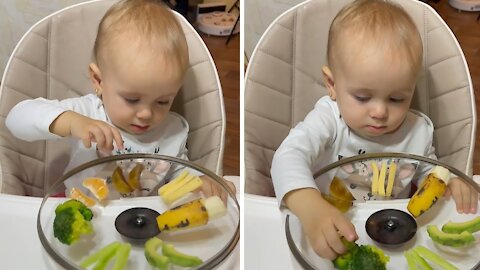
(140, 59)
(374, 57)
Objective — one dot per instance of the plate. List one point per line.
(441, 212)
(212, 242)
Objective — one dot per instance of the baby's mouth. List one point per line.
(139, 128)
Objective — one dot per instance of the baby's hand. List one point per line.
(324, 229)
(72, 124)
(322, 223)
(465, 197)
(211, 188)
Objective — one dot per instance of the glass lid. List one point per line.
(139, 211)
(402, 220)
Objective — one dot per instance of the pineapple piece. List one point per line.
(374, 178)
(381, 179)
(391, 178)
(180, 186)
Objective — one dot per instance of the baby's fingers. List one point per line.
(117, 137)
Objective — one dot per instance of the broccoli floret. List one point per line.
(75, 205)
(342, 262)
(360, 257)
(70, 224)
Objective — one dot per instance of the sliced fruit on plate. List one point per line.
(450, 239)
(339, 195)
(134, 176)
(119, 182)
(179, 258)
(191, 214)
(430, 190)
(472, 226)
(392, 170)
(97, 186)
(339, 190)
(77, 194)
(381, 179)
(178, 187)
(374, 178)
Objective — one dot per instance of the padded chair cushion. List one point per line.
(284, 80)
(52, 61)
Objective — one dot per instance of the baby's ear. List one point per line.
(329, 82)
(95, 78)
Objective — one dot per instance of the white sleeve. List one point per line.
(293, 161)
(30, 120)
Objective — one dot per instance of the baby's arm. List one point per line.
(32, 120)
(465, 197)
(322, 223)
(88, 130)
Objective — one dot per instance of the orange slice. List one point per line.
(77, 194)
(97, 186)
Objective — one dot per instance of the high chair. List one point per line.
(284, 80)
(51, 61)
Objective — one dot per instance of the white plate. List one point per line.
(439, 214)
(204, 241)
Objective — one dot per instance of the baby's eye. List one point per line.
(362, 98)
(131, 100)
(397, 100)
(163, 102)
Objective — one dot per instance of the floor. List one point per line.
(227, 60)
(466, 28)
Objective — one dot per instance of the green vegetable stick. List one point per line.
(438, 260)
(420, 262)
(121, 257)
(412, 265)
(112, 247)
(103, 261)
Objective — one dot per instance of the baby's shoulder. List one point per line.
(418, 124)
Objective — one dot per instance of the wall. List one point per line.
(17, 16)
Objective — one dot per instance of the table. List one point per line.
(265, 245)
(20, 247)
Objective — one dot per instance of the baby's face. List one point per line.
(137, 88)
(374, 92)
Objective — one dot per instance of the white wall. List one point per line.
(17, 16)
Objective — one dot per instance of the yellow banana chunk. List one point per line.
(191, 214)
(134, 176)
(391, 178)
(374, 178)
(180, 186)
(119, 182)
(429, 191)
(381, 179)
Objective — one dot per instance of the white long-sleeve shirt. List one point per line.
(323, 138)
(30, 120)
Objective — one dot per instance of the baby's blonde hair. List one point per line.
(153, 22)
(379, 22)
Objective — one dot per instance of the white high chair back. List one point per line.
(284, 80)
(51, 60)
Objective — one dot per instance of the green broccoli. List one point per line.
(76, 205)
(360, 257)
(72, 220)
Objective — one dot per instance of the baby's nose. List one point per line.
(379, 110)
(144, 113)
